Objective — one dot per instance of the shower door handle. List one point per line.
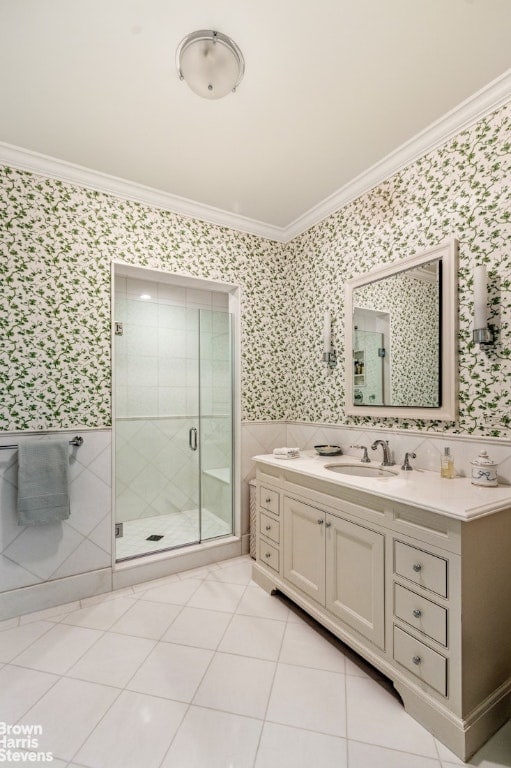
(192, 438)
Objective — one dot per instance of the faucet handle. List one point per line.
(365, 458)
(406, 462)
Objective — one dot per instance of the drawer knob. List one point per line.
(417, 660)
(417, 567)
(417, 613)
(268, 528)
(267, 554)
(327, 525)
(268, 499)
(320, 521)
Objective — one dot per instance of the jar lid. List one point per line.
(483, 460)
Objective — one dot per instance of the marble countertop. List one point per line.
(455, 497)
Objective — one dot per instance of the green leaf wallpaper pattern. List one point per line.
(460, 190)
(58, 242)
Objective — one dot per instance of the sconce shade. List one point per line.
(210, 63)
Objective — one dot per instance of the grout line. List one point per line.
(277, 662)
(213, 656)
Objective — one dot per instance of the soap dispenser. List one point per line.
(484, 470)
(447, 465)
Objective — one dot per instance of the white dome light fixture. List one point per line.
(210, 63)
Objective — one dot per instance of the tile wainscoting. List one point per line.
(74, 556)
(47, 566)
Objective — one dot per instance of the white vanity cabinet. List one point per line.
(355, 577)
(338, 563)
(393, 580)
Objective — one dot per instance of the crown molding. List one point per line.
(492, 96)
(35, 162)
(489, 98)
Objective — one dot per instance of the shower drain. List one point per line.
(154, 537)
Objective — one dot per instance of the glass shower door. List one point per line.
(157, 468)
(173, 423)
(216, 424)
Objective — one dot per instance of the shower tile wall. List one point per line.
(156, 388)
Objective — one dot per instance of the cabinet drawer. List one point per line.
(269, 500)
(427, 617)
(426, 664)
(423, 568)
(269, 555)
(270, 528)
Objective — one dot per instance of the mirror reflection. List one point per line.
(396, 339)
(401, 337)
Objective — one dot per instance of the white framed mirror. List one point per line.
(401, 338)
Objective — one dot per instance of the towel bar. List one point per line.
(78, 441)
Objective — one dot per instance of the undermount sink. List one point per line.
(359, 470)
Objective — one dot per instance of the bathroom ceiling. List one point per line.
(331, 87)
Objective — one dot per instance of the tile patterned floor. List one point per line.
(205, 670)
(177, 529)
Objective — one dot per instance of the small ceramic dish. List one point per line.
(328, 450)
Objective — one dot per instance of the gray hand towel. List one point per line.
(43, 486)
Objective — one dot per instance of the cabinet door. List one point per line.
(355, 577)
(304, 548)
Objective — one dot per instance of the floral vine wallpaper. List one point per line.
(58, 241)
(460, 190)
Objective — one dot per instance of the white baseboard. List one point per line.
(49, 594)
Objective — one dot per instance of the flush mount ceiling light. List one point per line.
(210, 63)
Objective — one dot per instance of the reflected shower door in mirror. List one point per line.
(400, 337)
(370, 344)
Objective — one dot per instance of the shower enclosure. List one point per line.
(173, 414)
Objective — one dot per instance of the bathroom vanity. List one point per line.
(410, 570)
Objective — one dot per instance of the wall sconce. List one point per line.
(329, 354)
(482, 333)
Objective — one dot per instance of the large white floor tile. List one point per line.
(136, 732)
(238, 573)
(285, 747)
(253, 636)
(376, 717)
(20, 689)
(176, 592)
(364, 755)
(10, 623)
(50, 614)
(308, 698)
(358, 666)
(99, 615)
(58, 649)
(236, 684)
(147, 619)
(304, 646)
(217, 596)
(172, 671)
(198, 627)
(14, 641)
(160, 582)
(212, 739)
(257, 602)
(199, 573)
(68, 713)
(54, 764)
(113, 660)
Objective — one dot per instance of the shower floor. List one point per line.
(177, 529)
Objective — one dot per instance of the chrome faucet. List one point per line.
(406, 463)
(365, 458)
(387, 461)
